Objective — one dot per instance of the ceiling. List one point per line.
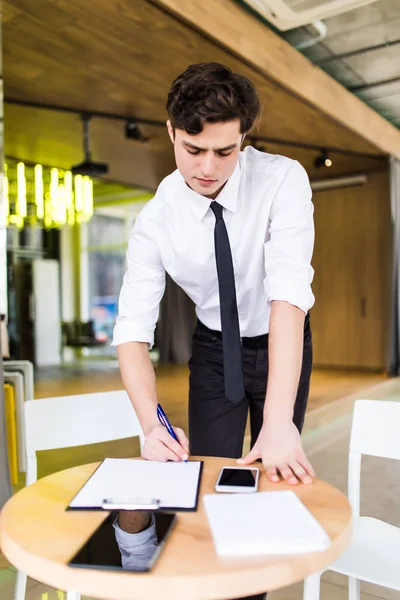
(289, 14)
(120, 59)
(364, 73)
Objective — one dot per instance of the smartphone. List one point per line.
(237, 479)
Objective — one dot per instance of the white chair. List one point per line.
(17, 381)
(24, 367)
(67, 421)
(373, 554)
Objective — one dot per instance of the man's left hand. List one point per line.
(281, 450)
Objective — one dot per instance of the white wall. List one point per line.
(84, 273)
(47, 321)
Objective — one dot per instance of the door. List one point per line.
(352, 262)
(47, 314)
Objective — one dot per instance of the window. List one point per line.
(104, 242)
(107, 242)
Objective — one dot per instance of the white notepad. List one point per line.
(263, 523)
(175, 485)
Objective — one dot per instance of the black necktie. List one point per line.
(231, 344)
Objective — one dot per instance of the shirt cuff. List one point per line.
(303, 300)
(128, 331)
(136, 549)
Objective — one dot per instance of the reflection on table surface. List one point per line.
(129, 540)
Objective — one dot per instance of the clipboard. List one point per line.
(131, 484)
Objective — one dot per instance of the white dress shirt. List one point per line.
(269, 217)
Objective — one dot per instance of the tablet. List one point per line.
(103, 551)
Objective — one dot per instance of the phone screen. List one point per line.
(238, 477)
(101, 550)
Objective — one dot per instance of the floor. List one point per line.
(327, 386)
(325, 438)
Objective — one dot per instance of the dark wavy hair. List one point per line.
(211, 93)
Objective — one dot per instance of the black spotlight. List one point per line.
(133, 131)
(323, 160)
(88, 166)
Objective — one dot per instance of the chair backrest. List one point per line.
(374, 432)
(68, 330)
(87, 329)
(65, 421)
(375, 429)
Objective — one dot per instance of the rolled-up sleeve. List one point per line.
(289, 247)
(142, 289)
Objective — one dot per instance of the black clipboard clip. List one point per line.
(130, 504)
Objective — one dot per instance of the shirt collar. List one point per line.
(228, 196)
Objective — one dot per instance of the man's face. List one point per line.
(208, 159)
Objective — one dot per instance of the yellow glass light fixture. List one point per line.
(45, 196)
(39, 192)
(87, 198)
(78, 197)
(61, 214)
(21, 193)
(50, 218)
(6, 197)
(69, 198)
(12, 209)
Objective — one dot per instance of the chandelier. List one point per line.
(46, 197)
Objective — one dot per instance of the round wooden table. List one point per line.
(39, 536)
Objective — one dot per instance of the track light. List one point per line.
(338, 182)
(88, 166)
(133, 131)
(323, 160)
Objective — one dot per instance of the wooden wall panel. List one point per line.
(352, 262)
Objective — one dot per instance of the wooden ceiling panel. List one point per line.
(121, 57)
(8, 12)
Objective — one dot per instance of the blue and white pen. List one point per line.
(162, 417)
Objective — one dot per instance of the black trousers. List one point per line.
(216, 425)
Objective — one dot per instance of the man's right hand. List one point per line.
(160, 445)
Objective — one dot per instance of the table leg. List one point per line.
(312, 585)
(73, 595)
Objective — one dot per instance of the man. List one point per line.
(235, 230)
